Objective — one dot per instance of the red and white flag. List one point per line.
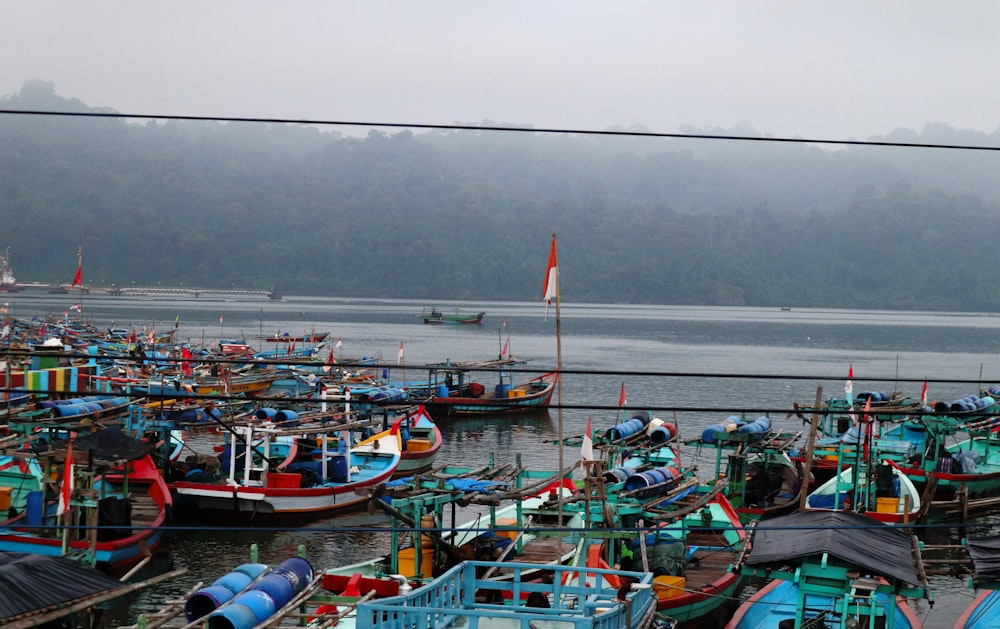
(78, 278)
(622, 400)
(340, 342)
(923, 395)
(66, 491)
(76, 307)
(849, 386)
(550, 290)
(399, 359)
(587, 449)
(220, 319)
(506, 346)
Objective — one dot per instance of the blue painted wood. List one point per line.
(584, 601)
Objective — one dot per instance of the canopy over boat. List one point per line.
(30, 582)
(850, 537)
(985, 554)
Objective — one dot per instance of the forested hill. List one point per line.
(469, 215)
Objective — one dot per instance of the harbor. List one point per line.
(731, 380)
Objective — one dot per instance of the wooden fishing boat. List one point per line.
(437, 317)
(952, 456)
(763, 481)
(420, 438)
(327, 482)
(471, 398)
(130, 502)
(688, 532)
(825, 573)
(984, 610)
(885, 494)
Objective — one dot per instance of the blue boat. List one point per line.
(825, 571)
(984, 610)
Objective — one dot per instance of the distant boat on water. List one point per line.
(436, 316)
(7, 282)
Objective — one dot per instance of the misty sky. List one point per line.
(836, 69)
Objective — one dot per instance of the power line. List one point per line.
(500, 128)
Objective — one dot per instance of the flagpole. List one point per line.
(559, 386)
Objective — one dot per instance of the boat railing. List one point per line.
(586, 600)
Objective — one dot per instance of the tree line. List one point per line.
(468, 214)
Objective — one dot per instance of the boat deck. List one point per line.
(709, 561)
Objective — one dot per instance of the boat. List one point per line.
(129, 501)
(885, 494)
(825, 574)
(763, 481)
(950, 452)
(278, 482)
(984, 610)
(690, 538)
(436, 316)
(8, 284)
(314, 337)
(459, 395)
(420, 438)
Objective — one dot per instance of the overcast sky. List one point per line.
(835, 69)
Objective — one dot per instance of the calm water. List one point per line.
(744, 359)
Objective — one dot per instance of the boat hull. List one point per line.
(533, 395)
(776, 602)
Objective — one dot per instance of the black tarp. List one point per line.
(30, 582)
(985, 553)
(851, 537)
(109, 444)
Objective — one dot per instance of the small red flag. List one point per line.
(621, 398)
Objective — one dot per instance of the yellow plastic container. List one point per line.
(407, 563)
(515, 393)
(665, 586)
(887, 505)
(5, 494)
(506, 527)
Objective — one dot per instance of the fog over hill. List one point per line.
(468, 214)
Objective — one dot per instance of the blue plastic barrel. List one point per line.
(656, 476)
(758, 426)
(265, 413)
(277, 587)
(617, 475)
(34, 508)
(259, 602)
(336, 468)
(205, 601)
(730, 424)
(664, 433)
(298, 571)
(286, 416)
(235, 581)
(232, 616)
(442, 391)
(626, 429)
